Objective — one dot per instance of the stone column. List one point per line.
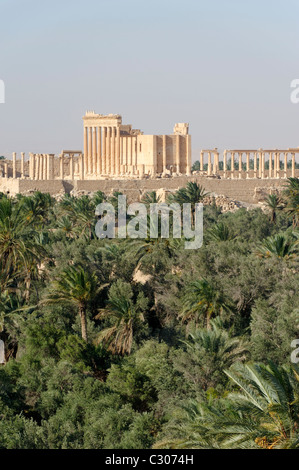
(216, 162)
(6, 170)
(130, 169)
(117, 166)
(72, 166)
(247, 164)
(41, 167)
(82, 164)
(113, 150)
(232, 164)
(48, 166)
(177, 148)
(99, 156)
(135, 154)
(14, 165)
(255, 165)
(90, 149)
(125, 154)
(61, 169)
(209, 164)
(104, 137)
(293, 165)
(85, 155)
(260, 164)
(121, 153)
(164, 162)
(22, 165)
(31, 166)
(94, 150)
(224, 163)
(44, 157)
(36, 167)
(108, 152)
(270, 165)
(240, 164)
(36, 175)
(286, 165)
(201, 160)
(263, 165)
(278, 166)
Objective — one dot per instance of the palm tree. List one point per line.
(220, 232)
(98, 198)
(37, 208)
(67, 226)
(19, 248)
(211, 351)
(192, 194)
(150, 198)
(76, 287)
(279, 245)
(201, 302)
(273, 202)
(11, 305)
(84, 212)
(125, 316)
(81, 212)
(270, 396)
(264, 413)
(292, 197)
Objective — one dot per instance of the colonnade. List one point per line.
(102, 150)
(277, 163)
(41, 166)
(128, 156)
(4, 167)
(108, 153)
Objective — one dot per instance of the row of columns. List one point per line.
(128, 155)
(106, 152)
(102, 150)
(14, 166)
(259, 158)
(41, 166)
(114, 155)
(75, 168)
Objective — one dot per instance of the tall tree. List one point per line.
(192, 194)
(291, 194)
(124, 315)
(201, 302)
(274, 203)
(77, 287)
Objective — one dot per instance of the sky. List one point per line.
(224, 66)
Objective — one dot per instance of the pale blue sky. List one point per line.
(225, 66)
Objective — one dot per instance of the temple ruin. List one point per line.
(116, 150)
(117, 157)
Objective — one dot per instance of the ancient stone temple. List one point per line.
(115, 149)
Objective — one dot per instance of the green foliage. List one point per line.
(133, 344)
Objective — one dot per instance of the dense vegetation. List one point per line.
(140, 343)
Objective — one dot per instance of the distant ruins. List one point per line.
(115, 150)
(118, 157)
(111, 150)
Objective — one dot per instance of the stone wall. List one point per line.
(250, 191)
